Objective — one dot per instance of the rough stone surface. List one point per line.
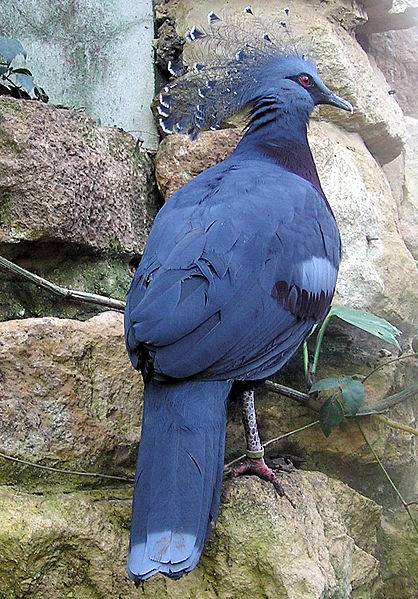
(408, 209)
(75, 546)
(64, 179)
(395, 53)
(375, 260)
(385, 15)
(95, 55)
(68, 395)
(398, 552)
(326, 28)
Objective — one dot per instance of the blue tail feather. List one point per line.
(179, 476)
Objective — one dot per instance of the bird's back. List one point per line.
(213, 273)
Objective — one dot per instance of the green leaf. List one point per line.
(24, 81)
(352, 392)
(22, 71)
(324, 385)
(379, 327)
(331, 414)
(10, 48)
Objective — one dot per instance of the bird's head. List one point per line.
(246, 69)
(295, 83)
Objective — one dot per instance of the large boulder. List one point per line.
(386, 15)
(75, 545)
(68, 397)
(64, 179)
(395, 55)
(76, 201)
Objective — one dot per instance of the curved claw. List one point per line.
(258, 467)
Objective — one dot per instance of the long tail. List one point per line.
(179, 476)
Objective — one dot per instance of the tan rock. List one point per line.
(408, 209)
(75, 546)
(396, 56)
(326, 29)
(64, 179)
(179, 159)
(386, 15)
(68, 395)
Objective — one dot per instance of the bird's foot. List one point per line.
(258, 467)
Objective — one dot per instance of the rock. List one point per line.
(69, 397)
(375, 259)
(179, 159)
(326, 29)
(408, 209)
(395, 55)
(64, 179)
(384, 15)
(74, 546)
(397, 550)
(75, 201)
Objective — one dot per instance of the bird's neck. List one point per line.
(280, 136)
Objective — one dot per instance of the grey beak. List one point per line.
(335, 100)
(328, 97)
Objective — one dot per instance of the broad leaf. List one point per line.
(352, 393)
(324, 385)
(23, 80)
(23, 71)
(10, 48)
(368, 322)
(331, 414)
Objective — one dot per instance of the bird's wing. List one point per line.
(229, 286)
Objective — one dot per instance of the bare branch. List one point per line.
(82, 296)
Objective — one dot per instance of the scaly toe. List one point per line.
(258, 467)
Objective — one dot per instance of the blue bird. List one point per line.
(240, 264)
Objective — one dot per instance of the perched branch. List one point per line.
(302, 398)
(377, 408)
(90, 298)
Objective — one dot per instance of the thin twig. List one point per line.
(298, 430)
(404, 357)
(398, 425)
(392, 484)
(91, 298)
(62, 471)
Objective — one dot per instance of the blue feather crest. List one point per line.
(222, 62)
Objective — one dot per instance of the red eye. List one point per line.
(305, 80)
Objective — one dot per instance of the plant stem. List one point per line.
(389, 362)
(398, 425)
(62, 471)
(91, 298)
(392, 484)
(305, 354)
(319, 343)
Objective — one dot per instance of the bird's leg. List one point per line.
(254, 462)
